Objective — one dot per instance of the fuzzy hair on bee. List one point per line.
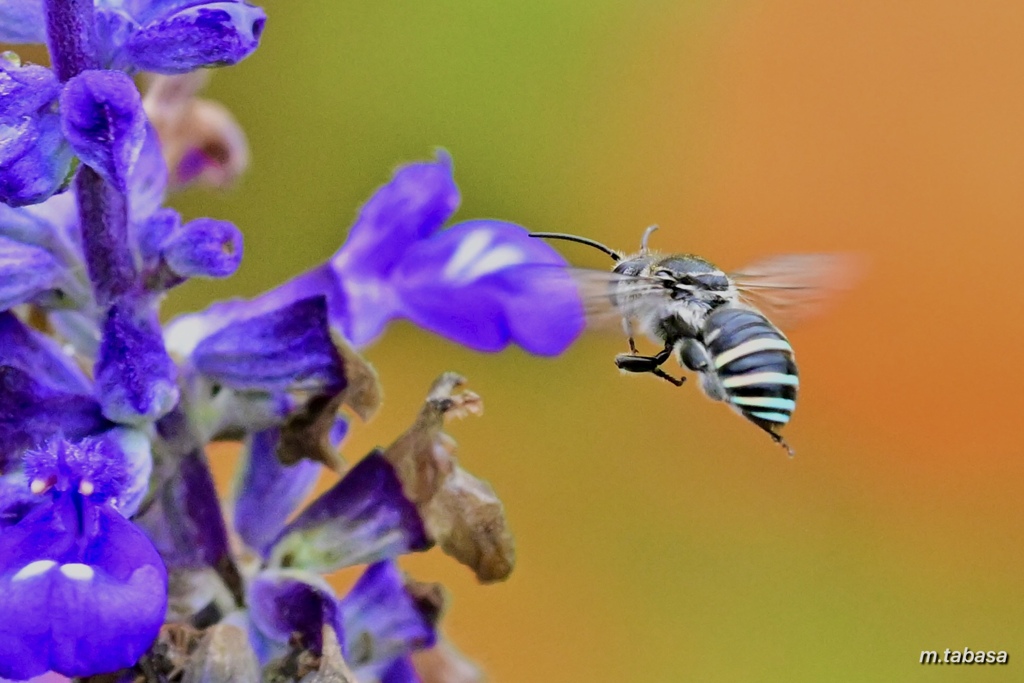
(716, 324)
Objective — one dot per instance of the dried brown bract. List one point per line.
(306, 432)
(461, 513)
(363, 393)
(430, 598)
(223, 656)
(333, 668)
(445, 664)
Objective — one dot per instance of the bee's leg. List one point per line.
(634, 363)
(694, 355)
(678, 381)
(627, 327)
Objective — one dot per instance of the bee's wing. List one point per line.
(600, 290)
(794, 287)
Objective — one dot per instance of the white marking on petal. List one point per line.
(467, 252)
(77, 571)
(495, 260)
(184, 335)
(33, 569)
(473, 259)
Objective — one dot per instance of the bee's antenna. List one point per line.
(647, 236)
(574, 238)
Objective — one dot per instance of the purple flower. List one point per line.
(82, 590)
(381, 620)
(286, 349)
(482, 283)
(268, 491)
(100, 425)
(35, 159)
(22, 21)
(363, 518)
(378, 622)
(173, 37)
(42, 393)
(104, 122)
(165, 36)
(135, 377)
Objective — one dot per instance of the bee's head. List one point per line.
(634, 266)
(691, 277)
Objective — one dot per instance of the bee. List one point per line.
(713, 322)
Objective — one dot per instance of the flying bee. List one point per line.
(712, 321)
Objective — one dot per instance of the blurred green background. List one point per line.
(660, 536)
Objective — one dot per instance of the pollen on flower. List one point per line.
(40, 486)
(86, 488)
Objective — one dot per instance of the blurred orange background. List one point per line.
(660, 536)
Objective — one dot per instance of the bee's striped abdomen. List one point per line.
(754, 364)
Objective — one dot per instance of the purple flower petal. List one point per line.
(363, 518)
(153, 232)
(285, 601)
(483, 284)
(80, 329)
(135, 377)
(22, 21)
(268, 492)
(185, 521)
(114, 26)
(380, 620)
(400, 670)
(27, 273)
(147, 186)
(413, 205)
(287, 349)
(24, 90)
(39, 356)
(486, 284)
(32, 412)
(82, 591)
(185, 332)
(16, 500)
(52, 224)
(35, 160)
(201, 35)
(104, 122)
(138, 466)
(204, 248)
(338, 432)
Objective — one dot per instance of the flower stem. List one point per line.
(70, 32)
(104, 219)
